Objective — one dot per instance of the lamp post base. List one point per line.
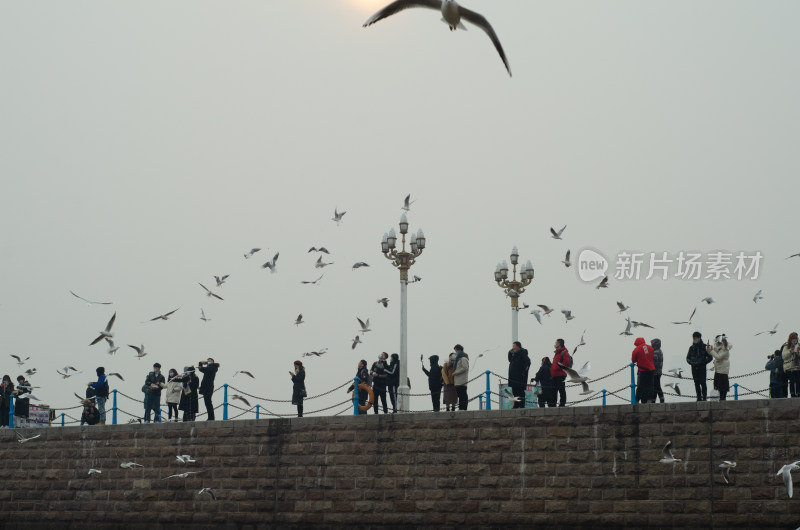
(403, 398)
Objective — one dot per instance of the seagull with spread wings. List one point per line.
(272, 265)
(209, 293)
(106, 333)
(165, 316)
(20, 361)
(364, 325)
(567, 263)
(220, 279)
(90, 302)
(337, 216)
(557, 235)
(314, 282)
(407, 202)
(249, 255)
(319, 264)
(690, 318)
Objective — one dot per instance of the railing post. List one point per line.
(62, 419)
(225, 402)
(480, 402)
(114, 409)
(355, 396)
(633, 384)
(257, 409)
(604, 397)
(736, 391)
(488, 392)
(11, 412)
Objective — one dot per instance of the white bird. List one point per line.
(407, 202)
(384, 301)
(94, 471)
(546, 309)
(68, 368)
(669, 458)
(337, 216)
(786, 473)
(566, 260)
(359, 264)
(117, 375)
(203, 316)
(557, 235)
(364, 325)
(771, 332)
(674, 386)
(319, 264)
(207, 491)
(622, 307)
(129, 465)
(636, 324)
(708, 300)
(220, 280)
(299, 320)
(20, 361)
(726, 466)
(320, 249)
(356, 342)
(111, 348)
(567, 314)
(139, 351)
(452, 13)
(603, 283)
(319, 353)
(183, 475)
(580, 375)
(249, 255)
(63, 374)
(581, 343)
(90, 302)
(537, 314)
(240, 398)
(511, 396)
(245, 372)
(627, 331)
(165, 316)
(208, 292)
(314, 282)
(30, 371)
(677, 372)
(106, 333)
(757, 296)
(272, 265)
(690, 318)
(512, 293)
(185, 459)
(585, 388)
(21, 439)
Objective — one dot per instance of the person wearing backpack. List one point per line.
(101, 393)
(560, 356)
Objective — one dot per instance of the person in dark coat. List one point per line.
(153, 384)
(6, 393)
(518, 365)
(298, 386)
(544, 379)
(209, 369)
(698, 357)
(189, 402)
(435, 382)
(379, 381)
(90, 414)
(363, 379)
(658, 362)
(393, 380)
(775, 367)
(22, 404)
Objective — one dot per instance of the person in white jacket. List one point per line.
(173, 393)
(722, 364)
(461, 375)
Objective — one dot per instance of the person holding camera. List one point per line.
(790, 352)
(153, 384)
(101, 393)
(298, 387)
(209, 369)
(379, 381)
(777, 386)
(189, 401)
(698, 357)
(721, 354)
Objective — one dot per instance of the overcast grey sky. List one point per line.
(145, 146)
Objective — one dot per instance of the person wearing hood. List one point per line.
(658, 362)
(189, 401)
(461, 375)
(518, 366)
(643, 357)
(209, 369)
(698, 357)
(363, 379)
(547, 395)
(22, 404)
(101, 393)
(435, 382)
(560, 356)
(298, 386)
(722, 365)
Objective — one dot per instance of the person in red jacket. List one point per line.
(561, 355)
(643, 357)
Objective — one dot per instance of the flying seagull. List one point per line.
(356, 342)
(320, 264)
(220, 279)
(271, 265)
(452, 13)
(364, 325)
(90, 302)
(207, 491)
(359, 264)
(240, 398)
(165, 316)
(209, 293)
(306, 282)
(416, 279)
(384, 301)
(21, 361)
(557, 235)
(139, 351)
(203, 315)
(117, 375)
(129, 465)
(581, 343)
(21, 439)
(185, 459)
(636, 324)
(603, 283)
(627, 331)
(771, 332)
(94, 471)
(677, 372)
(567, 314)
(726, 466)
(622, 307)
(183, 475)
(299, 320)
(250, 254)
(674, 386)
(316, 353)
(546, 309)
(106, 333)
(64, 374)
(566, 260)
(757, 297)
(245, 372)
(30, 371)
(708, 300)
(337, 216)
(690, 318)
(407, 202)
(320, 249)
(537, 314)
(790, 257)
(669, 458)
(111, 348)
(580, 375)
(786, 472)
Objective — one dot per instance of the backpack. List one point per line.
(102, 391)
(569, 363)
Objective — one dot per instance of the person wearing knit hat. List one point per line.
(698, 357)
(298, 386)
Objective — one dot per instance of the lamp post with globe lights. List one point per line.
(403, 260)
(514, 288)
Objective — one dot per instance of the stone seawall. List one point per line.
(553, 468)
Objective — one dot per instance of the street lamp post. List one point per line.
(512, 287)
(403, 260)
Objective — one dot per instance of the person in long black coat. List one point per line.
(189, 402)
(518, 365)
(6, 391)
(298, 386)
(21, 404)
(435, 382)
(544, 379)
(209, 369)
